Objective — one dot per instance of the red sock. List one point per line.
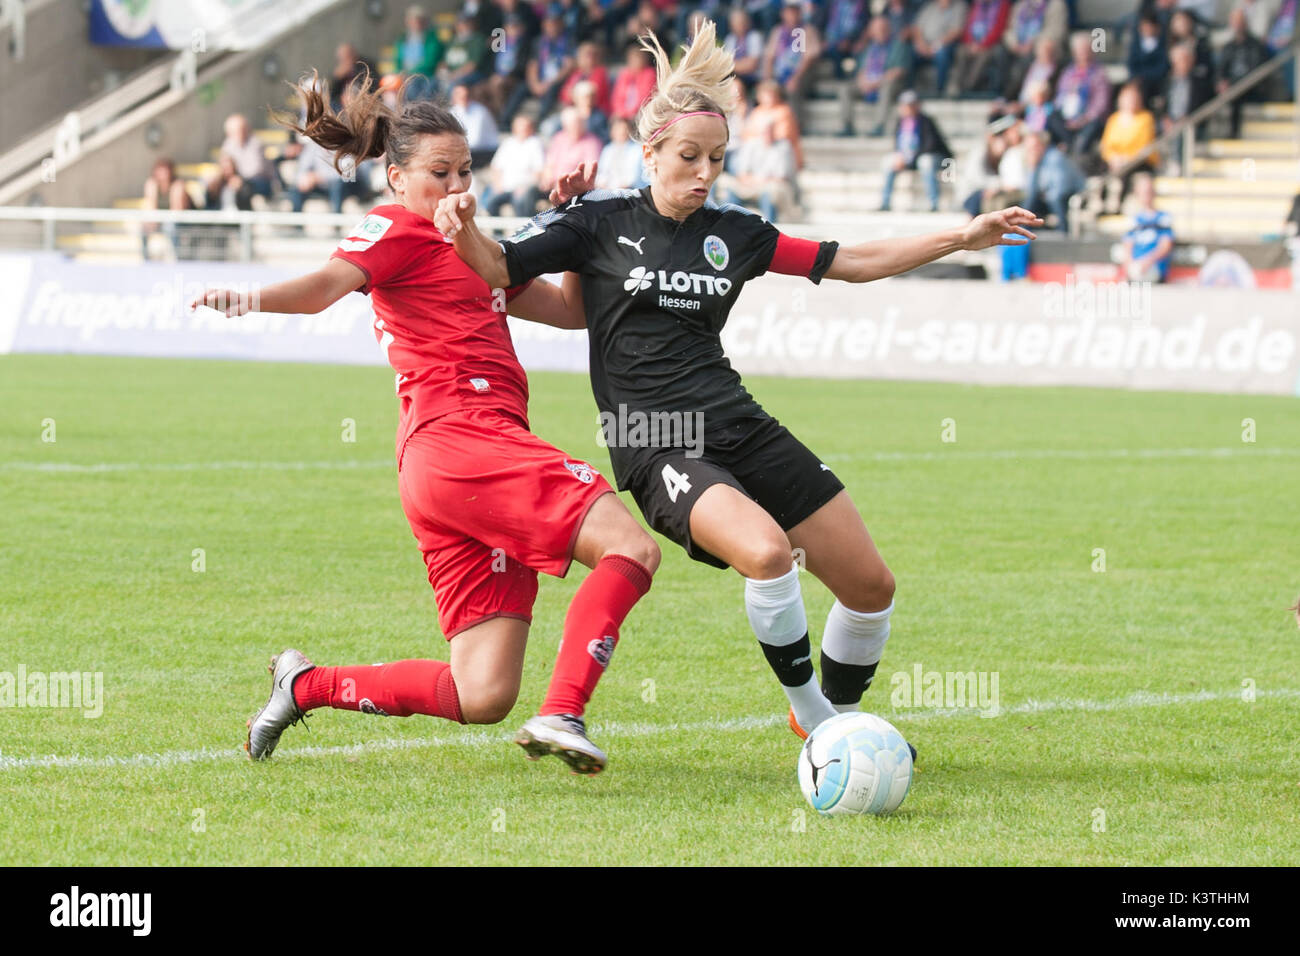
(591, 631)
(398, 689)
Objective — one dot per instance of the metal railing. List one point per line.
(1185, 128)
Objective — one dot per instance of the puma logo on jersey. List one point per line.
(625, 241)
(573, 203)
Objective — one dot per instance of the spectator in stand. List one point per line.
(764, 176)
(463, 63)
(480, 126)
(590, 68)
(1148, 57)
(684, 13)
(1258, 14)
(516, 170)
(978, 169)
(1129, 130)
(1183, 29)
(745, 44)
(845, 21)
(793, 47)
(317, 176)
(574, 17)
(936, 32)
(524, 10)
(736, 121)
(980, 42)
(1044, 69)
(646, 19)
(1031, 23)
(487, 16)
(1037, 113)
(621, 162)
(1082, 99)
(883, 68)
(1147, 247)
(506, 87)
(569, 148)
(918, 145)
(900, 14)
(1278, 38)
(162, 190)
(1053, 179)
(243, 169)
(593, 119)
(1237, 58)
(1185, 89)
(771, 109)
(552, 64)
(765, 14)
(349, 65)
(636, 81)
(418, 49)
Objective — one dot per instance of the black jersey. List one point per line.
(657, 293)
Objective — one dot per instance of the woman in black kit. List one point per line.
(660, 269)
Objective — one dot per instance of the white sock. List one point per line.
(852, 641)
(776, 613)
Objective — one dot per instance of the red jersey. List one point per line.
(435, 321)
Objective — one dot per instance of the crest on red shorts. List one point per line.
(582, 471)
(602, 650)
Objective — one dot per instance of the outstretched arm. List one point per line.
(890, 257)
(305, 295)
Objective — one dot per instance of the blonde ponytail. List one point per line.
(700, 83)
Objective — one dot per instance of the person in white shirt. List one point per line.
(620, 165)
(480, 126)
(513, 175)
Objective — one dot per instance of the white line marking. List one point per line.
(616, 730)
(1010, 454)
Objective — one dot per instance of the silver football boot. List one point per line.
(281, 710)
(564, 736)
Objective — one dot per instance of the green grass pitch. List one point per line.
(1148, 710)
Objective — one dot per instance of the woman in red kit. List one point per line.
(490, 504)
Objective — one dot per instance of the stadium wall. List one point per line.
(115, 162)
(60, 68)
(1071, 333)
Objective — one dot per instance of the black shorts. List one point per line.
(758, 457)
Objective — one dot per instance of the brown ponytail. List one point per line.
(367, 127)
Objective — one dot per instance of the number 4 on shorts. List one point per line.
(676, 481)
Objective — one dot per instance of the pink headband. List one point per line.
(682, 117)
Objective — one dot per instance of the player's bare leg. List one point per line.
(623, 557)
(733, 527)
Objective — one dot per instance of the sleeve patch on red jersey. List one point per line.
(366, 233)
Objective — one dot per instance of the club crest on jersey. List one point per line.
(715, 250)
(601, 650)
(582, 471)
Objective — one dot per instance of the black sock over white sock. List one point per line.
(776, 613)
(851, 650)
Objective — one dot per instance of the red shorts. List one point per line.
(491, 504)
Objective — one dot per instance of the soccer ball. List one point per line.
(855, 763)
